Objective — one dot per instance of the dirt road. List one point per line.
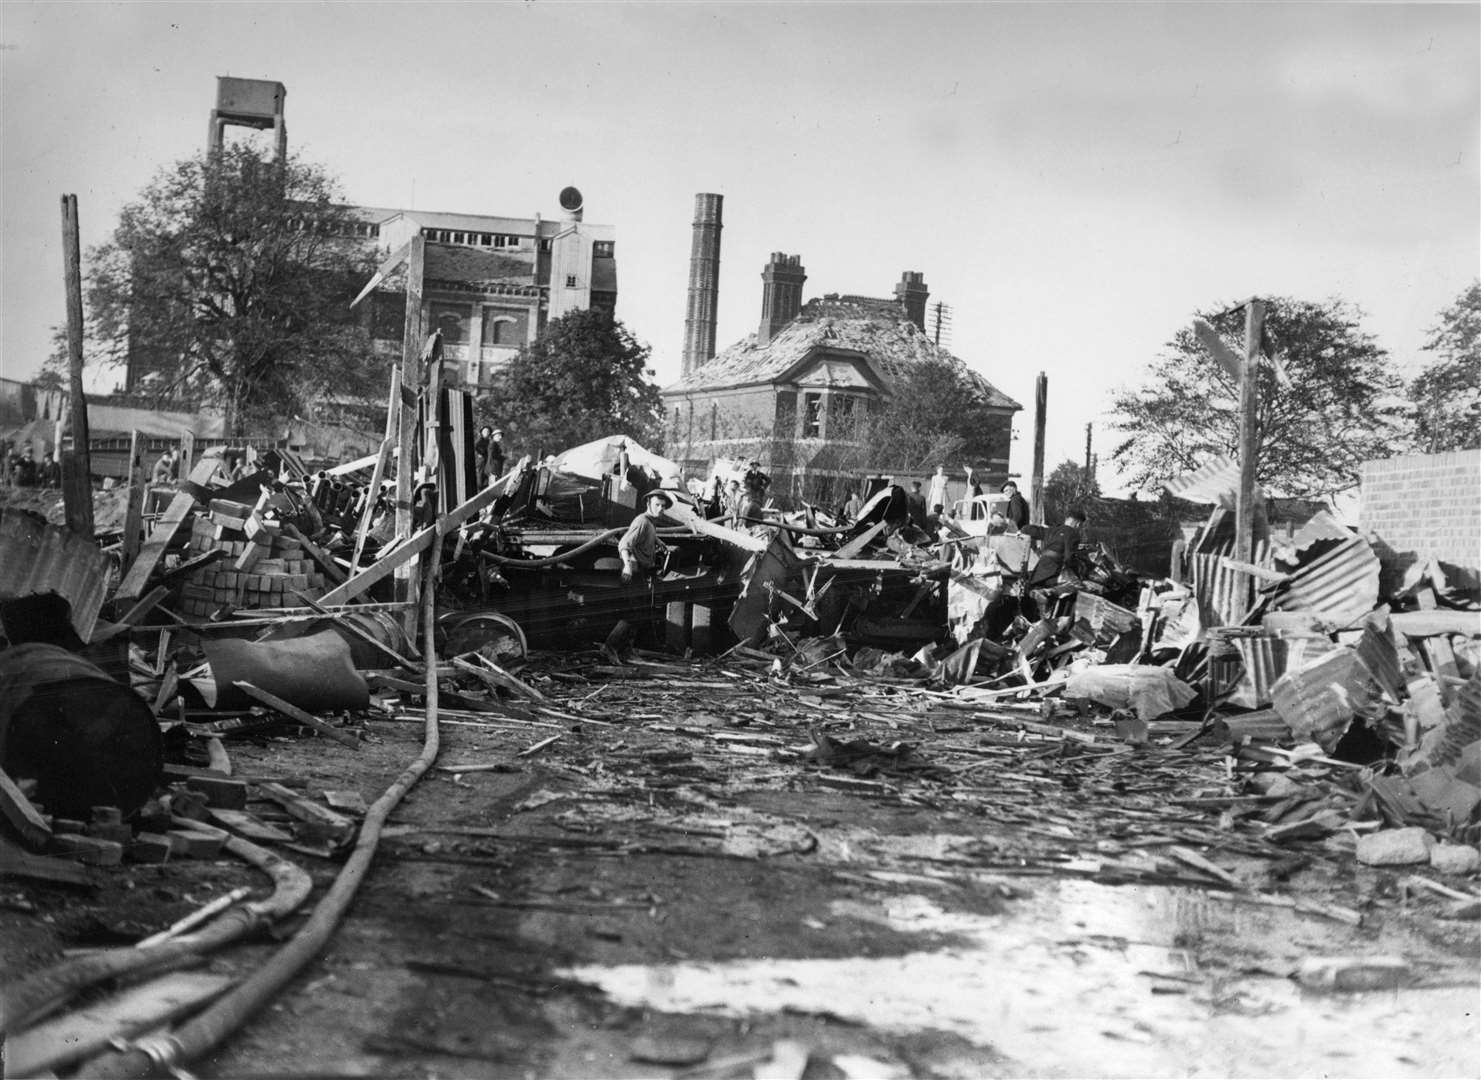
(714, 875)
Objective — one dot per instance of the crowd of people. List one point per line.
(22, 470)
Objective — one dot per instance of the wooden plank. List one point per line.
(381, 568)
(27, 821)
(319, 555)
(1224, 356)
(852, 549)
(340, 618)
(134, 582)
(1436, 621)
(319, 822)
(79, 1035)
(16, 861)
(686, 515)
(453, 519)
(393, 260)
(135, 615)
(372, 496)
(293, 712)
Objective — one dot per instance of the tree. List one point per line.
(1327, 402)
(1069, 485)
(1446, 397)
(228, 282)
(936, 415)
(585, 377)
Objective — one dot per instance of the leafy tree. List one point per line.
(228, 281)
(937, 414)
(585, 377)
(1446, 397)
(1070, 484)
(1326, 402)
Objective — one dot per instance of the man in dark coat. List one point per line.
(915, 505)
(51, 472)
(496, 455)
(1060, 545)
(1017, 509)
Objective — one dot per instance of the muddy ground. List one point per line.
(676, 886)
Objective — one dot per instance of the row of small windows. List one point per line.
(479, 239)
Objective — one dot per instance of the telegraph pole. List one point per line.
(77, 483)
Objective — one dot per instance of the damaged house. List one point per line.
(791, 395)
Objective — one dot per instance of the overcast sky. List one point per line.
(1074, 180)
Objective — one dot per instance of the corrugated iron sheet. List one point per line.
(1215, 481)
(37, 559)
(1342, 584)
(1319, 700)
(1322, 526)
(1269, 656)
(1378, 654)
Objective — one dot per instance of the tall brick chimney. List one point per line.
(781, 294)
(704, 283)
(912, 294)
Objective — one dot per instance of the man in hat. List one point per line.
(1017, 509)
(495, 455)
(50, 475)
(640, 546)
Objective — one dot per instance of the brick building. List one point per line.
(789, 395)
(1417, 507)
(490, 283)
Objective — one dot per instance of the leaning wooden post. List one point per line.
(133, 518)
(1249, 442)
(77, 474)
(406, 438)
(1036, 482)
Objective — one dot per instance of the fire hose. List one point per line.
(36, 995)
(168, 1052)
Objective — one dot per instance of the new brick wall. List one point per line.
(1423, 505)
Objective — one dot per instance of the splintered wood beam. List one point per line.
(24, 818)
(135, 581)
(294, 713)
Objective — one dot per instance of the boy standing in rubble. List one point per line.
(640, 547)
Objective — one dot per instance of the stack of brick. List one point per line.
(261, 567)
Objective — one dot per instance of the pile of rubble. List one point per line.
(1320, 713)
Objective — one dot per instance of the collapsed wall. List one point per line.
(1416, 507)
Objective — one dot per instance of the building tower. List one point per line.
(913, 294)
(252, 103)
(781, 294)
(704, 283)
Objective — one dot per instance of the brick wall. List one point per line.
(1422, 505)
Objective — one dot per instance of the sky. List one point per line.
(1073, 180)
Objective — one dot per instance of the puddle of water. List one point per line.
(1058, 985)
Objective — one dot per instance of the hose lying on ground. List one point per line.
(32, 997)
(168, 1052)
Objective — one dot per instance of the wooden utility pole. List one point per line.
(1036, 483)
(1089, 461)
(77, 475)
(1249, 444)
(406, 437)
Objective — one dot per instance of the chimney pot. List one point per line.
(912, 294)
(781, 294)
